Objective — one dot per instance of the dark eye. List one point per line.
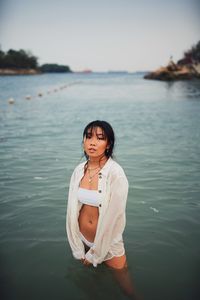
(88, 135)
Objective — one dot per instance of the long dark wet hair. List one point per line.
(108, 133)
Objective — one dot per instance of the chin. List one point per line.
(95, 155)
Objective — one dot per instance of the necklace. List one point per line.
(90, 177)
(92, 169)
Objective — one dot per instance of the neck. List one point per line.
(97, 161)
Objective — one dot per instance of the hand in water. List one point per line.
(85, 262)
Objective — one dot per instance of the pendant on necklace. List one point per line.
(90, 180)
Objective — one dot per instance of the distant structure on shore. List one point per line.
(22, 62)
(186, 68)
(117, 72)
(85, 71)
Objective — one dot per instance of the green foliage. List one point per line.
(193, 53)
(54, 68)
(18, 59)
(21, 59)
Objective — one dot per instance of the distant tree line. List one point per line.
(191, 56)
(54, 68)
(17, 60)
(22, 59)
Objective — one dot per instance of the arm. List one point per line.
(71, 221)
(69, 210)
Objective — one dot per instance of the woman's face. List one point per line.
(95, 143)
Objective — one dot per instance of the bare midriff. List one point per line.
(88, 220)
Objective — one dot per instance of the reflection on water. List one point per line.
(187, 89)
(93, 283)
(101, 282)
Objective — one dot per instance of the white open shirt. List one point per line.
(113, 192)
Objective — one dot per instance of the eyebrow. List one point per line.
(97, 134)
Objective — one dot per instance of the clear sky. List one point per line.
(101, 35)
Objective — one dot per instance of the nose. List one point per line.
(93, 142)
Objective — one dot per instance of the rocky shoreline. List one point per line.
(19, 71)
(175, 72)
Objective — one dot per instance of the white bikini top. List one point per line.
(89, 197)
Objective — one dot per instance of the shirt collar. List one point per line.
(104, 171)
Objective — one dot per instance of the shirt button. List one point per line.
(100, 176)
(99, 205)
(100, 173)
(99, 191)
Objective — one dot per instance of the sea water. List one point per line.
(157, 128)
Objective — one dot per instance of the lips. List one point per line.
(91, 149)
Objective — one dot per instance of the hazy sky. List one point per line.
(101, 34)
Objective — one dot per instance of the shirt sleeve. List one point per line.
(71, 222)
(69, 226)
(113, 221)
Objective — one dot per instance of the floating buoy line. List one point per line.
(11, 100)
(40, 94)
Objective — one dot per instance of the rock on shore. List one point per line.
(19, 71)
(175, 72)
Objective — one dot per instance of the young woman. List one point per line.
(97, 201)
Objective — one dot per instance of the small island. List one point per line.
(186, 68)
(23, 62)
